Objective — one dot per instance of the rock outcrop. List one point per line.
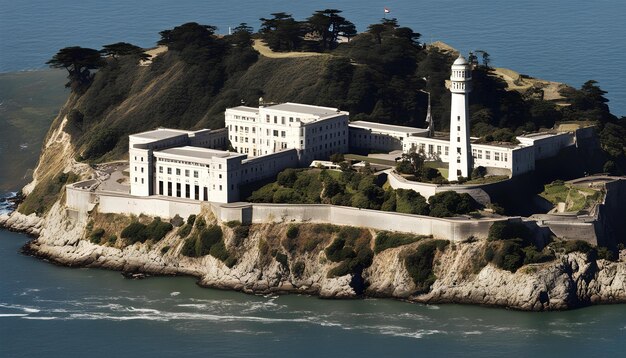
(570, 281)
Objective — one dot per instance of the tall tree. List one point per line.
(282, 32)
(124, 49)
(195, 43)
(78, 61)
(242, 35)
(328, 24)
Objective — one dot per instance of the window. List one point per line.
(220, 188)
(169, 170)
(177, 171)
(187, 191)
(487, 155)
(458, 139)
(142, 169)
(283, 134)
(161, 170)
(275, 133)
(458, 128)
(195, 173)
(496, 156)
(267, 117)
(458, 118)
(186, 172)
(430, 149)
(178, 190)
(439, 149)
(447, 150)
(275, 121)
(282, 120)
(141, 180)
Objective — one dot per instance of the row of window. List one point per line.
(178, 172)
(497, 156)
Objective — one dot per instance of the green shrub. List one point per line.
(578, 246)
(419, 264)
(184, 231)
(337, 251)
(164, 250)
(157, 229)
(387, 240)
(112, 239)
(240, 233)
(135, 232)
(96, 236)
(606, 254)
(191, 220)
(189, 247)
(208, 238)
(282, 259)
(506, 230)
(293, 231)
(233, 223)
(349, 233)
(200, 223)
(218, 250)
(534, 256)
(298, 269)
(138, 232)
(451, 203)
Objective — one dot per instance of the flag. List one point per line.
(387, 11)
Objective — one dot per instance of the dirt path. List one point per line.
(264, 50)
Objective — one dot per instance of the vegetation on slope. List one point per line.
(359, 190)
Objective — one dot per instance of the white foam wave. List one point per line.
(13, 314)
(175, 293)
(472, 333)
(40, 318)
(19, 307)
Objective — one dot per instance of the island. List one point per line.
(332, 163)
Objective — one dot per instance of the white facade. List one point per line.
(460, 86)
(183, 164)
(315, 132)
(380, 137)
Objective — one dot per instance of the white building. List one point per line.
(315, 132)
(460, 86)
(184, 164)
(365, 136)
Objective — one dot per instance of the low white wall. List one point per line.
(397, 182)
(448, 229)
(84, 200)
(165, 208)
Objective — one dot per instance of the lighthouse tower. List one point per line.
(460, 159)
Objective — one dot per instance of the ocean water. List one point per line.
(57, 311)
(568, 41)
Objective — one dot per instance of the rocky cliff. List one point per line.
(572, 280)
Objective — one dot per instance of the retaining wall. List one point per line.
(449, 229)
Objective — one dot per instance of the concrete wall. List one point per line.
(427, 189)
(166, 208)
(448, 229)
(84, 200)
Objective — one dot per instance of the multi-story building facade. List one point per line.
(315, 132)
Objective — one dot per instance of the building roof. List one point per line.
(245, 109)
(160, 133)
(386, 127)
(460, 61)
(198, 153)
(305, 109)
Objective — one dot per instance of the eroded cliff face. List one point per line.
(570, 281)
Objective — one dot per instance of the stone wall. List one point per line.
(448, 229)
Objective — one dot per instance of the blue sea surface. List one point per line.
(567, 41)
(46, 310)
